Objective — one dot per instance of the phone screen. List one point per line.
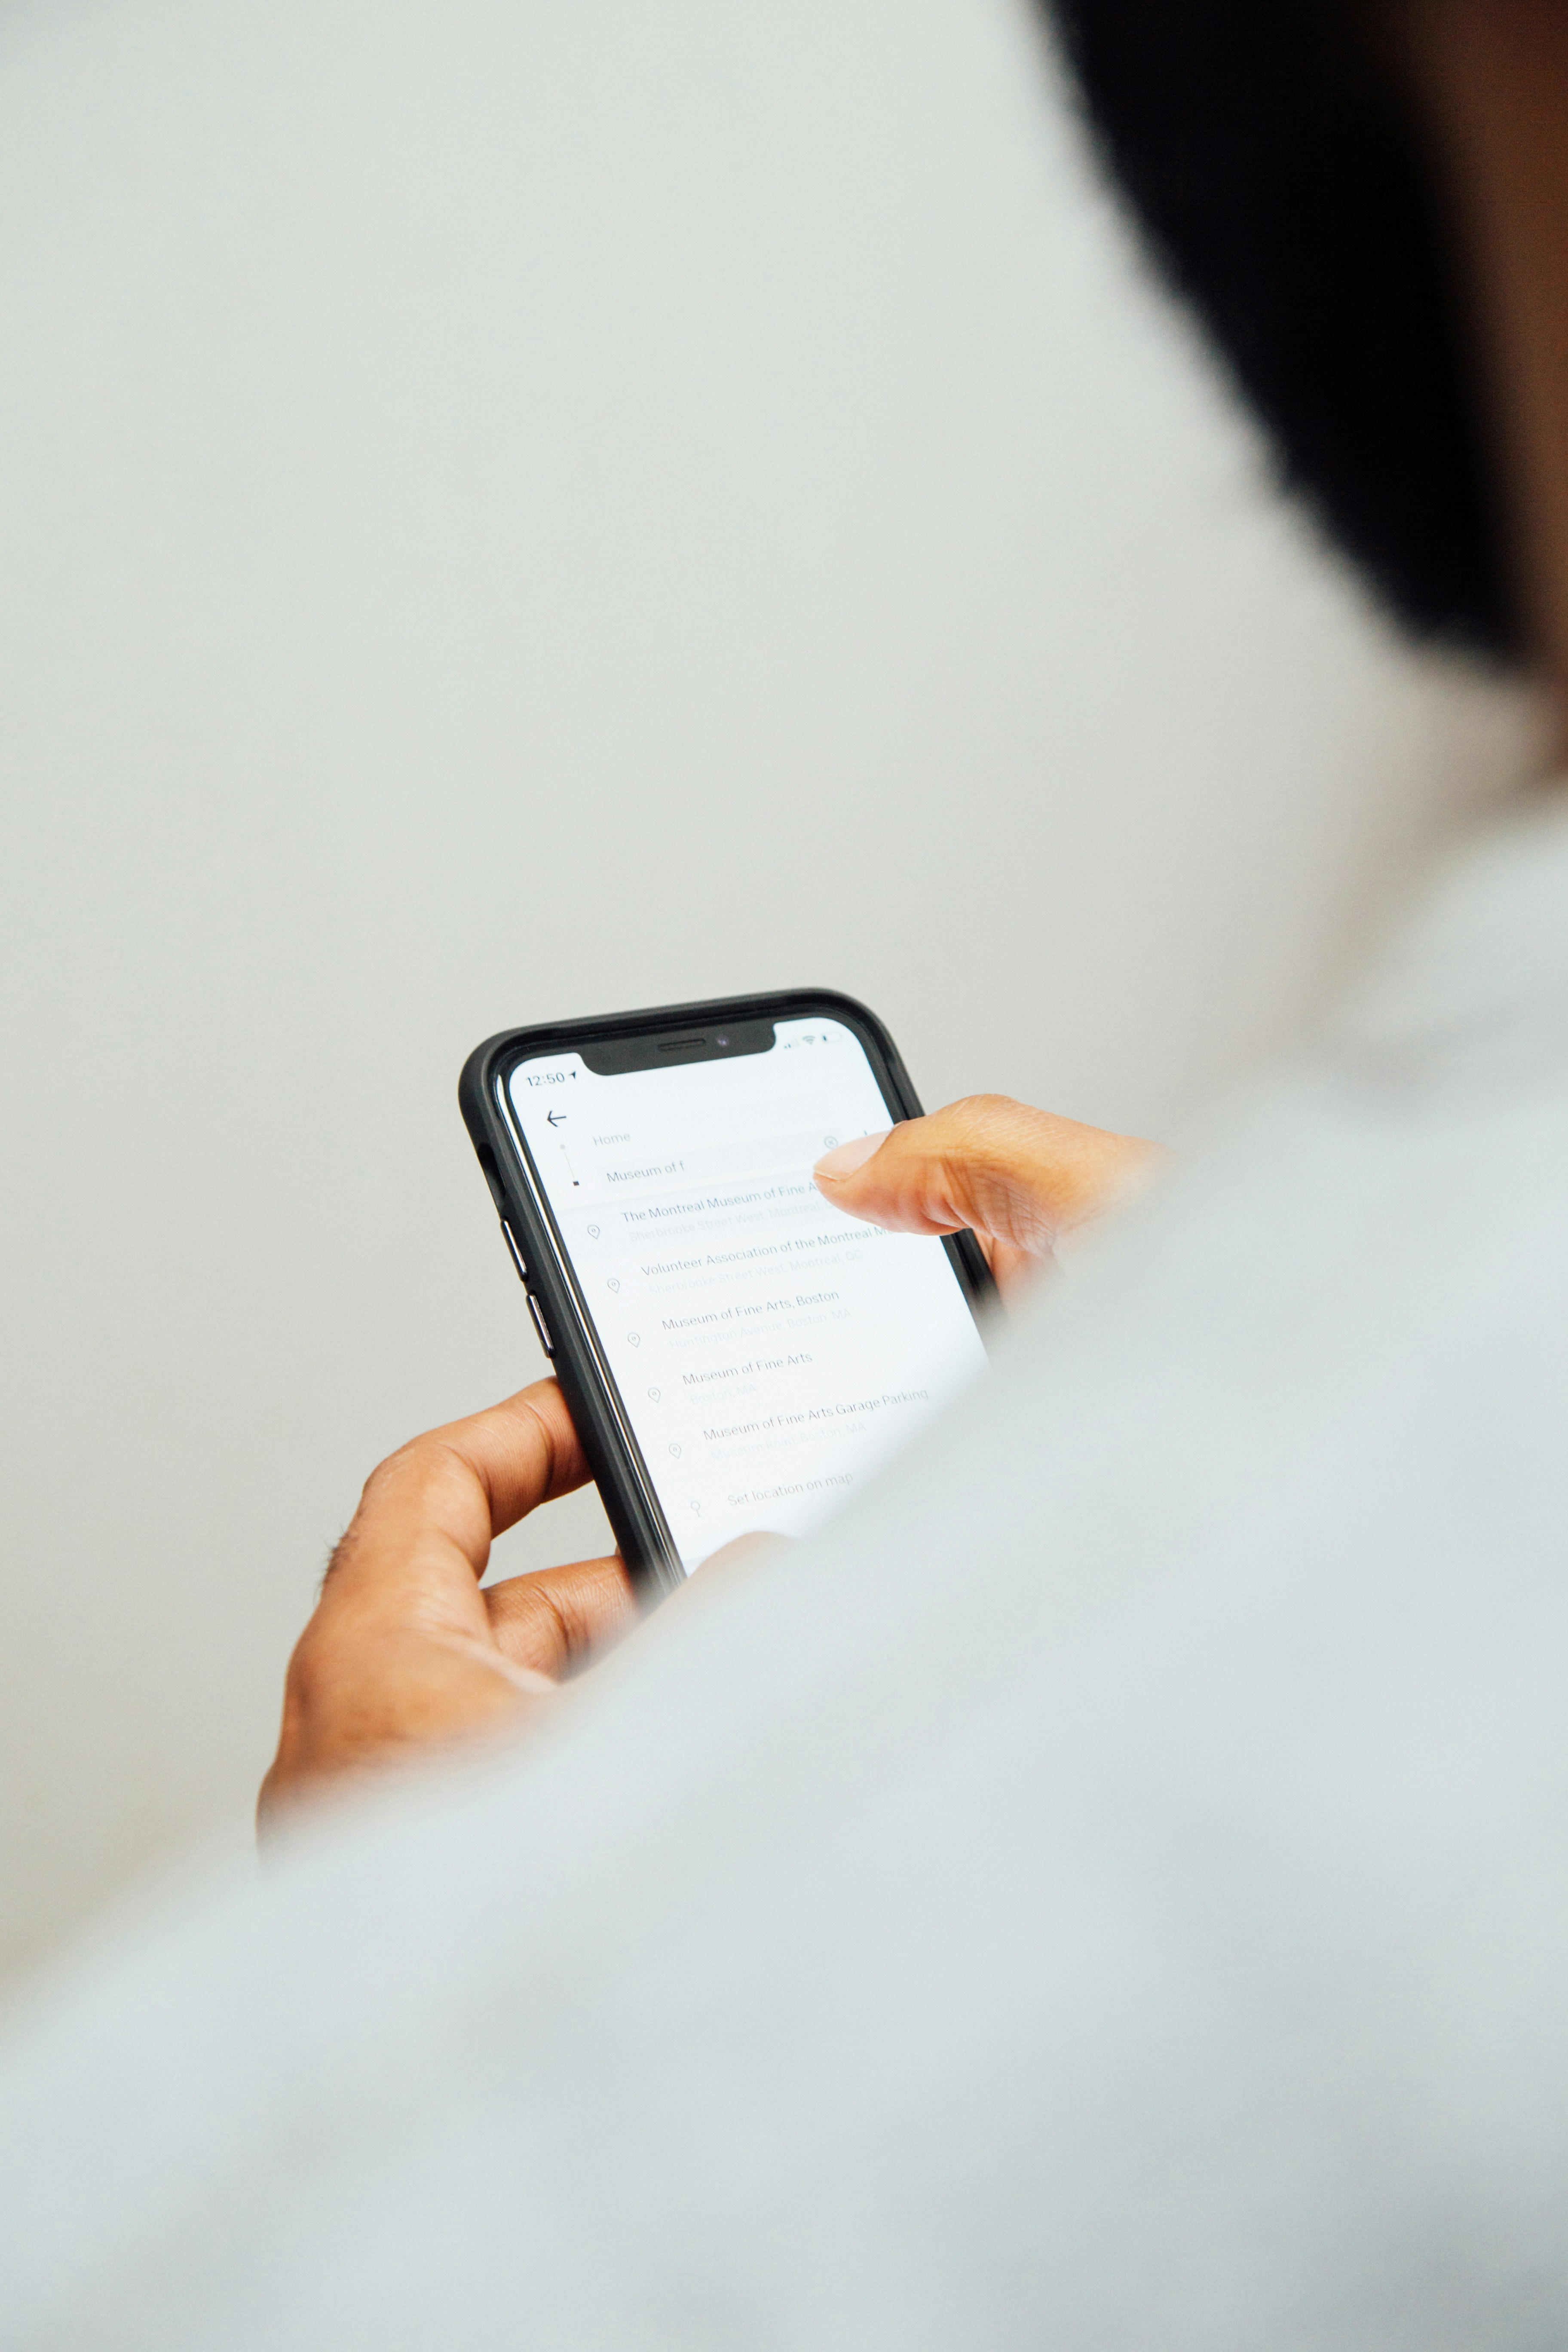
(769, 1351)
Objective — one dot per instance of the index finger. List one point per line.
(431, 1510)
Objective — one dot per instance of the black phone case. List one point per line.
(565, 1325)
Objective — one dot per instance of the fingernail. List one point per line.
(845, 1160)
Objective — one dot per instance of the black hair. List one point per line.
(1281, 180)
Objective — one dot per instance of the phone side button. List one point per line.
(545, 1341)
(514, 1251)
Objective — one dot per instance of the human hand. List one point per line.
(407, 1656)
(1023, 1180)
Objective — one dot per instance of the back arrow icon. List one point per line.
(555, 1117)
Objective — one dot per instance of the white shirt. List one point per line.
(1110, 1891)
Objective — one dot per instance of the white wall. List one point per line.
(511, 510)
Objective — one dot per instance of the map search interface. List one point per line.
(770, 1351)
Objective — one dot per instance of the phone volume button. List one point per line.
(545, 1341)
(512, 1250)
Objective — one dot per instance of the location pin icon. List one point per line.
(614, 1283)
(592, 1232)
(656, 1395)
(676, 1451)
(634, 1339)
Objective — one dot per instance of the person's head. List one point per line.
(1369, 206)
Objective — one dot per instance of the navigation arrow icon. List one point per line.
(555, 1117)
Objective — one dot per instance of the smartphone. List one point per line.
(736, 1354)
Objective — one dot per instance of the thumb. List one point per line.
(1013, 1175)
